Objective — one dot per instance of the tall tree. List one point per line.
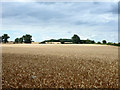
(5, 38)
(76, 39)
(27, 38)
(104, 41)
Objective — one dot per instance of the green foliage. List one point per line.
(62, 41)
(87, 41)
(65, 40)
(109, 43)
(104, 41)
(114, 44)
(17, 40)
(98, 42)
(83, 41)
(76, 39)
(5, 38)
(51, 40)
(59, 40)
(27, 38)
(21, 40)
(92, 42)
(43, 42)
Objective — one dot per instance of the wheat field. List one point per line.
(59, 66)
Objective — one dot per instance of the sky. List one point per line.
(53, 20)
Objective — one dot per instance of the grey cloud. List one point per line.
(59, 17)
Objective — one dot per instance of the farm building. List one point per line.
(67, 42)
(52, 42)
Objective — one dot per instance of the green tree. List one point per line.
(5, 38)
(27, 38)
(104, 41)
(109, 43)
(98, 42)
(17, 40)
(21, 40)
(93, 42)
(76, 39)
(88, 41)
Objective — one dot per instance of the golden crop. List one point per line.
(59, 66)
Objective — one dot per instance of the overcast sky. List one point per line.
(45, 20)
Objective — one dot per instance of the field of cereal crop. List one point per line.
(59, 66)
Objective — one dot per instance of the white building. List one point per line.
(52, 42)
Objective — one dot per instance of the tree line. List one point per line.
(75, 40)
(24, 39)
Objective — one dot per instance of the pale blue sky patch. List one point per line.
(90, 20)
